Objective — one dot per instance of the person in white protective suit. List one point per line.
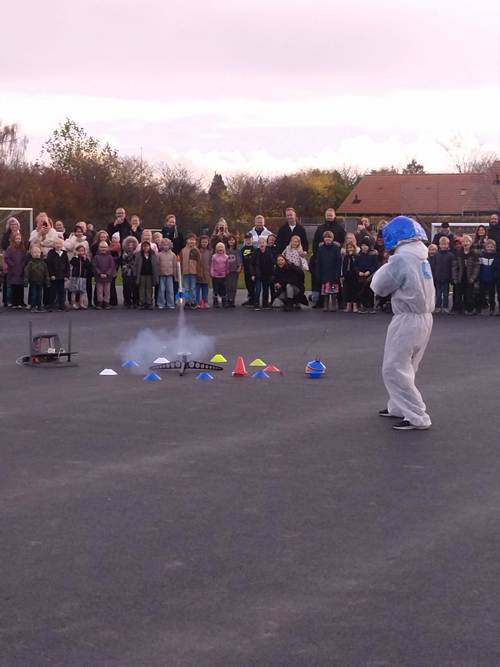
(407, 278)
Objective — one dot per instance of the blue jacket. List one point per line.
(366, 261)
(328, 263)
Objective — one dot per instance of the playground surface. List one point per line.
(248, 521)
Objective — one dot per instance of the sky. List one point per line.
(268, 86)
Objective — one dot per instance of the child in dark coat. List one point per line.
(58, 267)
(350, 284)
(328, 270)
(366, 264)
(488, 262)
(262, 273)
(36, 276)
(441, 265)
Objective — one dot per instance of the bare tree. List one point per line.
(467, 159)
(12, 146)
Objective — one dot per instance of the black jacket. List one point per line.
(335, 227)
(285, 234)
(263, 264)
(366, 261)
(173, 233)
(123, 229)
(290, 275)
(247, 252)
(58, 265)
(328, 263)
(441, 265)
(80, 267)
(494, 233)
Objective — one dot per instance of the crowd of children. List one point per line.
(157, 269)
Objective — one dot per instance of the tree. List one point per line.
(217, 198)
(414, 167)
(182, 194)
(469, 159)
(72, 150)
(12, 146)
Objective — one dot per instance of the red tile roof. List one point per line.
(439, 194)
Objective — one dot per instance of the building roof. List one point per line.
(425, 194)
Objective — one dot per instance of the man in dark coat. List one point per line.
(494, 230)
(120, 225)
(330, 225)
(289, 229)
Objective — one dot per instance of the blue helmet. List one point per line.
(401, 229)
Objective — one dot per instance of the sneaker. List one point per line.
(386, 413)
(256, 307)
(372, 311)
(405, 425)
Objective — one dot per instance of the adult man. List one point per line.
(289, 229)
(259, 229)
(494, 229)
(171, 231)
(120, 225)
(330, 225)
(444, 230)
(407, 277)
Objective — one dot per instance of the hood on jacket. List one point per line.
(130, 239)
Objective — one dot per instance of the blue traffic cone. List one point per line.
(152, 377)
(204, 376)
(130, 364)
(261, 374)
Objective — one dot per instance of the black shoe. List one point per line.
(405, 425)
(256, 307)
(386, 413)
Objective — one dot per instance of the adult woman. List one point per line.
(480, 238)
(136, 228)
(14, 261)
(288, 282)
(220, 234)
(44, 233)
(11, 229)
(75, 239)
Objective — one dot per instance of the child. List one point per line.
(487, 277)
(262, 273)
(167, 264)
(81, 269)
(147, 235)
(219, 268)
(350, 284)
(75, 239)
(235, 266)
(366, 264)
(271, 244)
(441, 263)
(147, 271)
(115, 250)
(247, 252)
(36, 275)
(328, 268)
(465, 274)
(104, 269)
(203, 272)
(129, 277)
(294, 253)
(190, 258)
(14, 260)
(58, 267)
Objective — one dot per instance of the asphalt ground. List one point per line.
(246, 521)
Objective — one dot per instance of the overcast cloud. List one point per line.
(264, 86)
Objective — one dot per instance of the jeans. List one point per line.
(442, 292)
(166, 292)
(35, 295)
(262, 286)
(202, 292)
(189, 284)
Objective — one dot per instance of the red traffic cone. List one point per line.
(240, 368)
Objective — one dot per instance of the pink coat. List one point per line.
(219, 267)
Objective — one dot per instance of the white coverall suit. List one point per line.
(407, 277)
